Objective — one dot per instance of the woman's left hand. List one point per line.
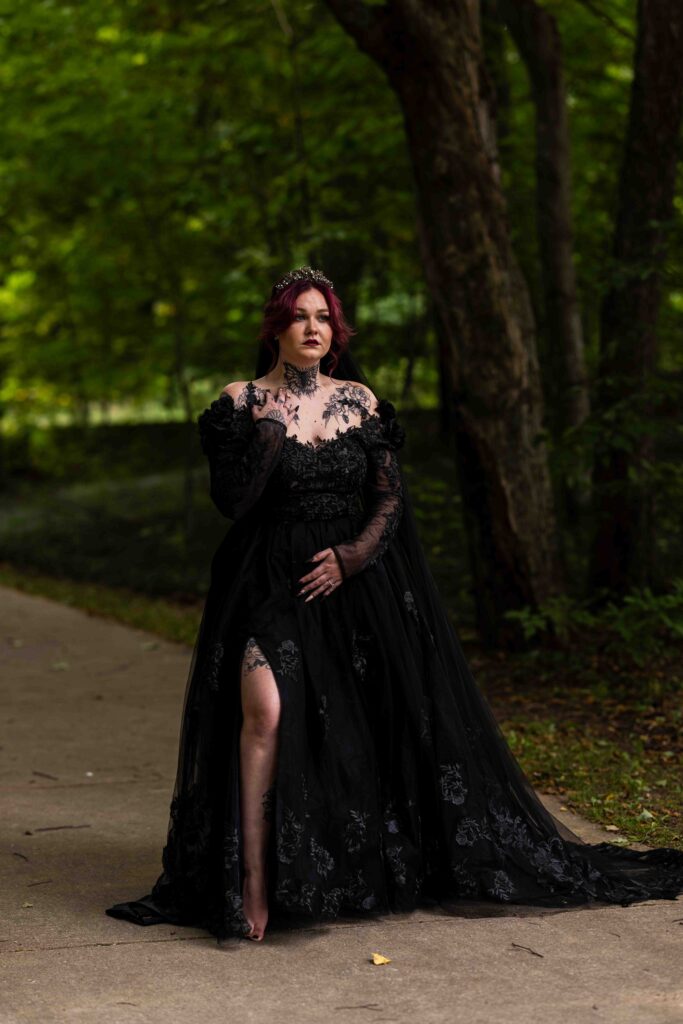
(325, 578)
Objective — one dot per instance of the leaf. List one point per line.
(612, 828)
(377, 958)
(26, 904)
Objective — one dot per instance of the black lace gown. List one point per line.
(395, 786)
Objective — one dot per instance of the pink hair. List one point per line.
(279, 313)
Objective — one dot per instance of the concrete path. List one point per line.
(90, 720)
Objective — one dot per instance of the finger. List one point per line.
(309, 577)
(326, 585)
(322, 590)
(314, 572)
(312, 578)
(317, 584)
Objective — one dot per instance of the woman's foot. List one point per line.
(255, 905)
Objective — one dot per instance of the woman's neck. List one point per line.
(301, 380)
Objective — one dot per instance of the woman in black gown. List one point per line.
(336, 754)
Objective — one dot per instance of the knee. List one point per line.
(261, 722)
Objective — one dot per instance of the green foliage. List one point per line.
(643, 625)
(651, 414)
(161, 165)
(107, 452)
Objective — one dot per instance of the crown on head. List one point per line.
(302, 274)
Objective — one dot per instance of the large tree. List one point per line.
(623, 543)
(432, 55)
(537, 38)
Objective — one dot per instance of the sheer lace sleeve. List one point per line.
(242, 453)
(383, 436)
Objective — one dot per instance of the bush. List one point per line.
(643, 625)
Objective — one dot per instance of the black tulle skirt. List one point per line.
(395, 786)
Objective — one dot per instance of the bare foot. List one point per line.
(255, 905)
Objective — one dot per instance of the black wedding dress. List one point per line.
(395, 786)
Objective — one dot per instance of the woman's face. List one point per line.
(311, 322)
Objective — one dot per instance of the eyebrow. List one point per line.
(300, 309)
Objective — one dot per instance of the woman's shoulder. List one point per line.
(379, 425)
(237, 390)
(353, 393)
(220, 419)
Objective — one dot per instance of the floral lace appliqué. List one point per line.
(452, 786)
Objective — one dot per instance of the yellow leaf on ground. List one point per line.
(377, 958)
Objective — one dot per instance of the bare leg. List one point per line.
(258, 763)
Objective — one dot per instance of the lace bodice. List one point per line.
(256, 464)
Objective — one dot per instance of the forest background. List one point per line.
(495, 190)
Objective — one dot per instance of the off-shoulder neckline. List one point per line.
(310, 445)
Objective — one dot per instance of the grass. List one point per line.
(637, 792)
(605, 736)
(173, 621)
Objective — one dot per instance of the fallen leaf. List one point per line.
(377, 958)
(26, 904)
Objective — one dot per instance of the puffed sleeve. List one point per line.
(242, 453)
(382, 437)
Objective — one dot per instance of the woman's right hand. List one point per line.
(276, 407)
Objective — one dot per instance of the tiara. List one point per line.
(302, 274)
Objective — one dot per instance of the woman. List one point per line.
(336, 754)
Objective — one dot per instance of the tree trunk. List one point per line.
(624, 539)
(535, 34)
(431, 53)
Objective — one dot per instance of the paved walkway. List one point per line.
(91, 712)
